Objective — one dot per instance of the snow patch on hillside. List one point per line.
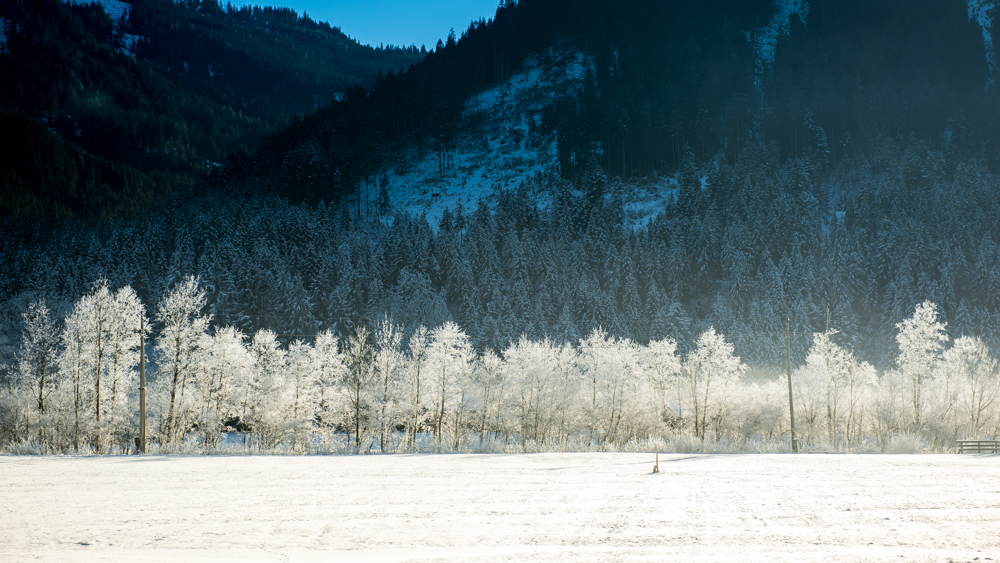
(981, 12)
(114, 8)
(498, 145)
(543, 80)
(765, 39)
(3, 35)
(129, 43)
(645, 201)
(117, 11)
(501, 145)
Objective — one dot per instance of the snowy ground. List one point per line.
(553, 507)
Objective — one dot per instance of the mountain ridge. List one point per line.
(160, 90)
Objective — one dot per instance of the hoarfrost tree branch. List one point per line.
(72, 363)
(99, 307)
(491, 385)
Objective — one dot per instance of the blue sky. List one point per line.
(397, 22)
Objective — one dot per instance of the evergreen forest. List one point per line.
(103, 117)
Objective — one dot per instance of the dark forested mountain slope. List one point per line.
(652, 168)
(108, 107)
(715, 76)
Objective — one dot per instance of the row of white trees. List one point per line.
(379, 391)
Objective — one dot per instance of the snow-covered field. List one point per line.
(553, 507)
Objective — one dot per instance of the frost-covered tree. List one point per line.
(101, 339)
(834, 380)
(492, 388)
(330, 372)
(415, 378)
(533, 371)
(97, 311)
(226, 371)
(710, 370)
(570, 383)
(128, 318)
(389, 364)
(633, 413)
(619, 405)
(268, 410)
(72, 360)
(663, 367)
(448, 357)
(971, 365)
(358, 382)
(28, 407)
(594, 364)
(304, 386)
(37, 355)
(179, 348)
(921, 340)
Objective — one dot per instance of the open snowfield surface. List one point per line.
(552, 507)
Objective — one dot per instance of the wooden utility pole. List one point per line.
(791, 403)
(142, 384)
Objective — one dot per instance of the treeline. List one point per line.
(127, 112)
(379, 391)
(760, 244)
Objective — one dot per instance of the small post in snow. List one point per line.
(656, 466)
